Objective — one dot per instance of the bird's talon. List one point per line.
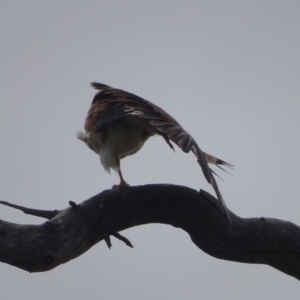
(120, 186)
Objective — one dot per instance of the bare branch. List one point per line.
(47, 214)
(74, 230)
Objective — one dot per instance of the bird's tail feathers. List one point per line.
(209, 174)
(220, 198)
(217, 162)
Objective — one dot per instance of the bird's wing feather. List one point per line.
(113, 112)
(111, 104)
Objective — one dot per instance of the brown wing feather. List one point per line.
(93, 115)
(162, 123)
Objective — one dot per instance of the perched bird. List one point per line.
(118, 124)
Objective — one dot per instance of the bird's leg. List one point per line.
(123, 184)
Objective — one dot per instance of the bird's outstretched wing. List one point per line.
(111, 104)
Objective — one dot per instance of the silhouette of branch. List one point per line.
(72, 231)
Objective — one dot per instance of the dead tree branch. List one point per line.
(72, 231)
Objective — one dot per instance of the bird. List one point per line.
(119, 123)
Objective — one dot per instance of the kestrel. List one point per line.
(118, 124)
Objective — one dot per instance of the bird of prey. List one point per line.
(118, 124)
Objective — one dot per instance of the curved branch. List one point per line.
(72, 231)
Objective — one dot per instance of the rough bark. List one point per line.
(72, 231)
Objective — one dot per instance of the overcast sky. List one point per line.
(228, 71)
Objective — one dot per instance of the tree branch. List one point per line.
(72, 231)
(47, 214)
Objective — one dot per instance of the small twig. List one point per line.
(121, 237)
(47, 214)
(73, 205)
(106, 231)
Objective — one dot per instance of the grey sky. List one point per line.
(228, 71)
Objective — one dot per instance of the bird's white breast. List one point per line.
(122, 138)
